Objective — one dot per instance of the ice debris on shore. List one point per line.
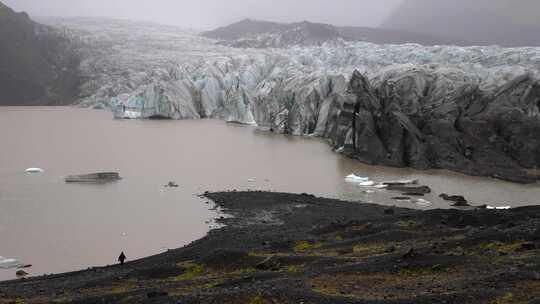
(352, 178)
(499, 208)
(423, 203)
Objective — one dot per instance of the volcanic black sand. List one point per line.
(287, 248)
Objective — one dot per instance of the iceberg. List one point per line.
(356, 179)
(499, 208)
(34, 170)
(6, 263)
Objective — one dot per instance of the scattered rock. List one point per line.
(527, 246)
(411, 253)
(222, 258)
(389, 211)
(459, 201)
(156, 294)
(270, 263)
(345, 250)
(172, 184)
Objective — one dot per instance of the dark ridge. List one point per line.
(245, 27)
(245, 32)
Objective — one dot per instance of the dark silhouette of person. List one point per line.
(122, 258)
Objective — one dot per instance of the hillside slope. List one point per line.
(37, 65)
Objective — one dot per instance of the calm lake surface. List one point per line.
(60, 227)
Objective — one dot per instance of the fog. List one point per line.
(207, 14)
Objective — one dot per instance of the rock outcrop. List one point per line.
(418, 118)
(38, 65)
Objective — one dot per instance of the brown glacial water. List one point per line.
(60, 227)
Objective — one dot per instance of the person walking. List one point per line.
(122, 258)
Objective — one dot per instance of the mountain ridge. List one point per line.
(261, 33)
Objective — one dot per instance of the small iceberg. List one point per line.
(498, 208)
(380, 186)
(356, 179)
(34, 170)
(366, 184)
(6, 263)
(402, 182)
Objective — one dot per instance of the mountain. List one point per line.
(483, 22)
(37, 64)
(262, 34)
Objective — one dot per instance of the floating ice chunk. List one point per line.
(366, 184)
(9, 263)
(356, 179)
(499, 208)
(34, 170)
(380, 186)
(402, 182)
(423, 202)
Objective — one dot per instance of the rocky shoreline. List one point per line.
(289, 248)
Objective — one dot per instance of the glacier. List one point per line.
(471, 109)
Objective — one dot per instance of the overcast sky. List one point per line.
(206, 14)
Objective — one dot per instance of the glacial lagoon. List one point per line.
(60, 227)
